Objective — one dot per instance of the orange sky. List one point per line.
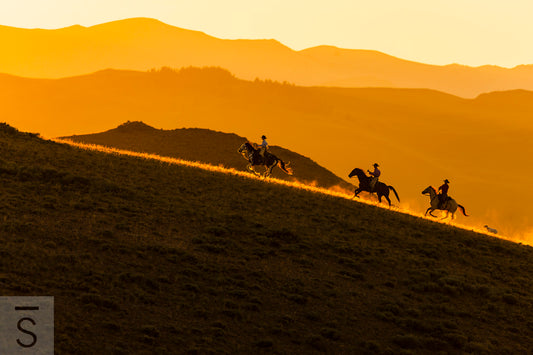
(470, 32)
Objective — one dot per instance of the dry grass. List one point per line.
(150, 257)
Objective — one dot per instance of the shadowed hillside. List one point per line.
(143, 256)
(142, 44)
(419, 137)
(208, 147)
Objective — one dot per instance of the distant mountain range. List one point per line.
(210, 147)
(143, 44)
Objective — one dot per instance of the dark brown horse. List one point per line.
(269, 161)
(364, 185)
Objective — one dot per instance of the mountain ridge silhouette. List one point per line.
(211, 147)
(144, 43)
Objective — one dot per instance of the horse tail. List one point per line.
(284, 167)
(393, 190)
(462, 209)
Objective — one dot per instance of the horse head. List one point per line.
(360, 173)
(246, 146)
(428, 190)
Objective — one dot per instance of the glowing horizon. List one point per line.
(439, 32)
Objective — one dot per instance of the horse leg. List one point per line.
(269, 170)
(356, 193)
(250, 167)
(388, 200)
(447, 213)
(430, 210)
(266, 173)
(382, 194)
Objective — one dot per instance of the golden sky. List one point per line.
(469, 32)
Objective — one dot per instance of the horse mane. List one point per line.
(249, 145)
(358, 172)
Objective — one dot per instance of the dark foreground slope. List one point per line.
(210, 147)
(144, 257)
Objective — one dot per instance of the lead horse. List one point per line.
(380, 188)
(449, 206)
(269, 161)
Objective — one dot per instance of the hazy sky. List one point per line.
(470, 32)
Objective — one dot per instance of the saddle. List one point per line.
(255, 157)
(443, 203)
(372, 184)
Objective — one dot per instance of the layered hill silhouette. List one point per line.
(207, 146)
(159, 258)
(419, 137)
(143, 44)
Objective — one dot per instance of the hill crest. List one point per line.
(208, 146)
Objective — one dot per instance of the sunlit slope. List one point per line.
(419, 137)
(142, 44)
(169, 258)
(211, 147)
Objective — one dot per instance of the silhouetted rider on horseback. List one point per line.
(443, 193)
(380, 188)
(261, 150)
(375, 176)
(269, 160)
(263, 147)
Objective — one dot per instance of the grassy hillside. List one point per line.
(419, 137)
(143, 43)
(146, 257)
(210, 147)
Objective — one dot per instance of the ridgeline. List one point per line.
(207, 146)
(148, 257)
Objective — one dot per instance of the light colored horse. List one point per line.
(449, 206)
